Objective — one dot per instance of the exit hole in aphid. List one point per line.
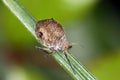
(40, 34)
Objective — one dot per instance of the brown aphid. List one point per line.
(52, 35)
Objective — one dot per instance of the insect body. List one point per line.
(52, 35)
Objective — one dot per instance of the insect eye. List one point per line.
(40, 34)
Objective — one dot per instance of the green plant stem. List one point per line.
(29, 21)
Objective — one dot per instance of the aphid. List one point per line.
(52, 35)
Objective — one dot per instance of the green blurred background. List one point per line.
(93, 25)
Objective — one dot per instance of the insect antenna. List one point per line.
(80, 45)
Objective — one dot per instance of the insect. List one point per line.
(52, 36)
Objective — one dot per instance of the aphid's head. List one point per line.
(70, 46)
(67, 45)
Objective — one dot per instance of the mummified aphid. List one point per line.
(52, 35)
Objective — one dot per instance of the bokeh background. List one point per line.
(93, 25)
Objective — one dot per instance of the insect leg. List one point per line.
(65, 53)
(44, 49)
